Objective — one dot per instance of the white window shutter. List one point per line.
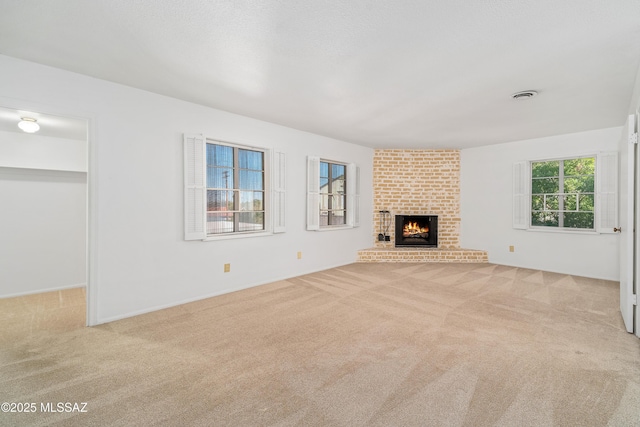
(521, 199)
(607, 192)
(194, 187)
(313, 193)
(279, 192)
(353, 195)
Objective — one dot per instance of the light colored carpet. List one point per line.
(360, 345)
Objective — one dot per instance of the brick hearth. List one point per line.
(421, 255)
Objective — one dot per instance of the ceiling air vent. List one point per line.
(525, 94)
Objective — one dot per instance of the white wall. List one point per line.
(486, 210)
(33, 151)
(43, 188)
(42, 230)
(139, 260)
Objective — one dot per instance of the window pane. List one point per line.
(248, 159)
(219, 177)
(574, 207)
(324, 202)
(337, 218)
(552, 203)
(251, 180)
(324, 185)
(337, 179)
(337, 186)
(545, 169)
(337, 171)
(545, 185)
(219, 200)
(578, 220)
(570, 202)
(226, 175)
(545, 219)
(338, 202)
(324, 170)
(585, 166)
(219, 222)
(251, 201)
(579, 184)
(324, 218)
(332, 194)
(586, 202)
(219, 155)
(537, 203)
(251, 221)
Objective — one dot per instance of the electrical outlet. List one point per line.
(227, 268)
(299, 255)
(512, 249)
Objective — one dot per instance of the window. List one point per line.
(333, 194)
(579, 194)
(563, 193)
(235, 189)
(333, 197)
(231, 190)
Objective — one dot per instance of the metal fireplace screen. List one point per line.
(417, 230)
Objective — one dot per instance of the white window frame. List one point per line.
(606, 195)
(313, 195)
(195, 190)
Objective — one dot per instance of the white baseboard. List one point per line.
(41, 291)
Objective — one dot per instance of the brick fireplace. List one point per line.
(422, 183)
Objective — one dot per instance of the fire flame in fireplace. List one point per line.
(413, 229)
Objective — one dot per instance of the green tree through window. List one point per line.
(562, 193)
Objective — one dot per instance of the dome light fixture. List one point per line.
(29, 125)
(525, 94)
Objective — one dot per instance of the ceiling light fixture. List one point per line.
(525, 94)
(29, 125)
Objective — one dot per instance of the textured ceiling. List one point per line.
(386, 74)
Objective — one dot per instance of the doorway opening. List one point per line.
(44, 220)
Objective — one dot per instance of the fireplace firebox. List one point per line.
(416, 230)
